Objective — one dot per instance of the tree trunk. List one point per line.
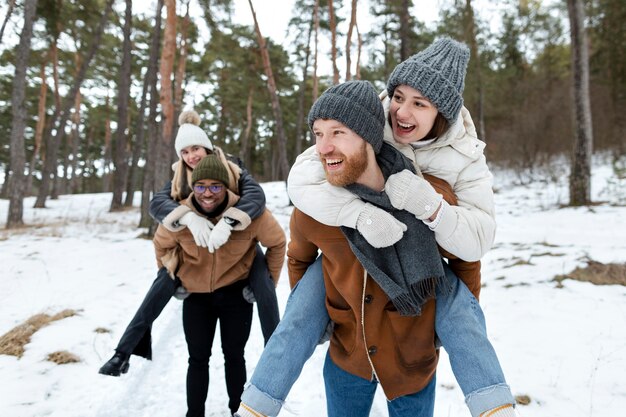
(41, 123)
(477, 67)
(179, 78)
(168, 53)
(63, 114)
(333, 41)
(281, 138)
(5, 185)
(405, 30)
(106, 172)
(580, 177)
(316, 24)
(18, 124)
(148, 186)
(357, 75)
(300, 135)
(75, 139)
(349, 41)
(6, 18)
(244, 151)
(123, 98)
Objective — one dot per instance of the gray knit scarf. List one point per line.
(409, 271)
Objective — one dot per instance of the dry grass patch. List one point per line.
(13, 341)
(597, 273)
(63, 357)
(102, 330)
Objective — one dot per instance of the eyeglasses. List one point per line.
(200, 189)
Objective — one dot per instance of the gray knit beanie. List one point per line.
(356, 105)
(438, 72)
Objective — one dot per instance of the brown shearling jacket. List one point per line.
(202, 271)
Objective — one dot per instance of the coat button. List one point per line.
(368, 299)
(426, 207)
(372, 350)
(368, 221)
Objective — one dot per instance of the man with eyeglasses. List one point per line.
(215, 281)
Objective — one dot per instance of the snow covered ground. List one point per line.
(565, 348)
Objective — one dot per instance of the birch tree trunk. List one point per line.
(18, 125)
(580, 177)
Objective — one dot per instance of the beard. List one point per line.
(353, 167)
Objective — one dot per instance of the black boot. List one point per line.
(117, 365)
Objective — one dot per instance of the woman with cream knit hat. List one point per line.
(192, 144)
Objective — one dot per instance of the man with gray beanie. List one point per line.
(381, 300)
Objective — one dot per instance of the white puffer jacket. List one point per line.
(466, 230)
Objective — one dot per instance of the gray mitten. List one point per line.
(181, 293)
(379, 227)
(248, 294)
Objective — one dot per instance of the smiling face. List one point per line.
(412, 115)
(209, 194)
(343, 152)
(193, 154)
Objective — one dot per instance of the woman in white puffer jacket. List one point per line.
(466, 230)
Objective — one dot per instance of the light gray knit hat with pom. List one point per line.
(438, 72)
(189, 133)
(357, 106)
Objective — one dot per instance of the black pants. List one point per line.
(265, 294)
(137, 337)
(201, 312)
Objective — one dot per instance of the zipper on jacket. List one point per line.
(367, 353)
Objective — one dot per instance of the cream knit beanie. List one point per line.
(189, 133)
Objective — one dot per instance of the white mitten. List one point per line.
(379, 227)
(219, 235)
(199, 227)
(412, 193)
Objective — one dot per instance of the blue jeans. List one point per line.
(459, 322)
(282, 360)
(348, 395)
